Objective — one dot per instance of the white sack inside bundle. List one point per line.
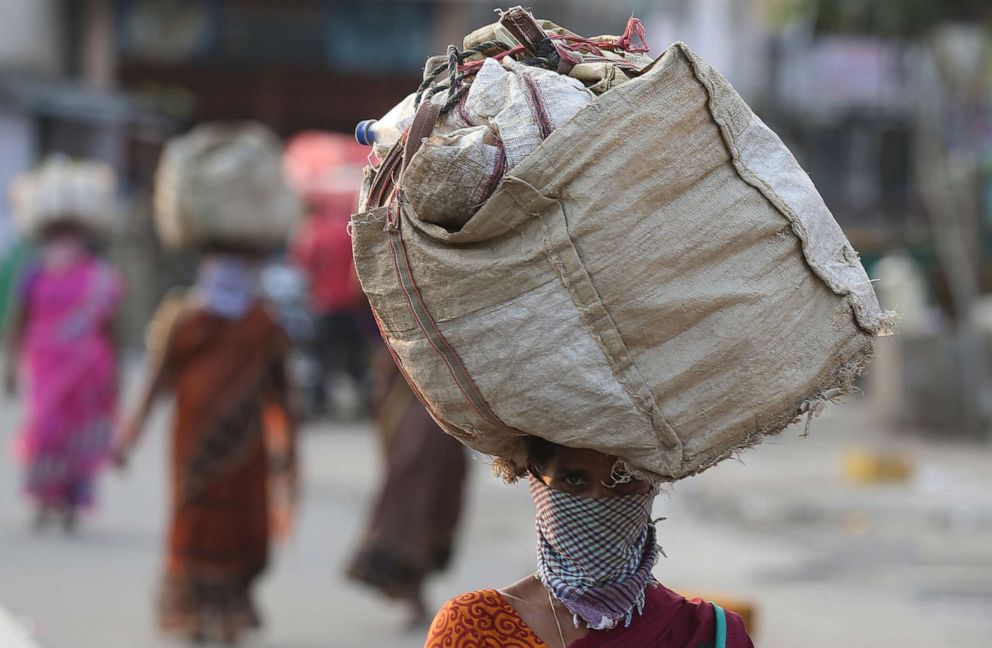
(509, 110)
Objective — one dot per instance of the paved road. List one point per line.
(828, 564)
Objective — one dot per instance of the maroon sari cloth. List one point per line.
(670, 621)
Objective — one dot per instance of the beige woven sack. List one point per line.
(62, 190)
(223, 184)
(659, 280)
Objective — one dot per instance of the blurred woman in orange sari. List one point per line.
(220, 190)
(222, 354)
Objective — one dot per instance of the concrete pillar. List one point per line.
(99, 51)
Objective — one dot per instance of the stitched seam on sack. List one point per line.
(536, 105)
(369, 220)
(641, 400)
(413, 385)
(494, 179)
(417, 318)
(492, 308)
(451, 358)
(748, 176)
(495, 307)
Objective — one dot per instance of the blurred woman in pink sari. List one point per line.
(61, 339)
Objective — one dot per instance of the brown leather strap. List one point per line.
(421, 128)
(384, 180)
(522, 26)
(401, 153)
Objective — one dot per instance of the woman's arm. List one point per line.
(12, 345)
(280, 442)
(115, 334)
(159, 375)
(157, 381)
(281, 424)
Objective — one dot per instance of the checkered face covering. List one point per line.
(595, 554)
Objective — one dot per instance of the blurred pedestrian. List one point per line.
(415, 514)
(220, 352)
(593, 586)
(325, 170)
(61, 344)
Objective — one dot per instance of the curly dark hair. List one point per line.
(538, 452)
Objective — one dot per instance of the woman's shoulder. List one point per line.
(481, 618)
(690, 620)
(107, 282)
(106, 268)
(28, 275)
(174, 311)
(471, 607)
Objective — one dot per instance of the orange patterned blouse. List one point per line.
(481, 619)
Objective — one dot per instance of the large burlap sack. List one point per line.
(223, 184)
(61, 190)
(659, 280)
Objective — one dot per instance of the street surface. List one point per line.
(826, 563)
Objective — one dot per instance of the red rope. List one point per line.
(634, 28)
(623, 42)
(473, 66)
(578, 44)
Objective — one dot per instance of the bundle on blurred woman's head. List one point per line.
(64, 197)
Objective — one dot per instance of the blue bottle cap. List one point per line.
(364, 133)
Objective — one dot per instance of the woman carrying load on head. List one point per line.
(220, 352)
(593, 587)
(414, 516)
(62, 337)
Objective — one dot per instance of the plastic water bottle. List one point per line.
(386, 131)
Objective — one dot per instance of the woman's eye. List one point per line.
(574, 481)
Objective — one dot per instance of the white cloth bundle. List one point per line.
(63, 190)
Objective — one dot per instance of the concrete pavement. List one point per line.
(826, 562)
(13, 632)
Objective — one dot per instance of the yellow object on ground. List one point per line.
(874, 466)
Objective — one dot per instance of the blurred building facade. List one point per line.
(889, 106)
(58, 94)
